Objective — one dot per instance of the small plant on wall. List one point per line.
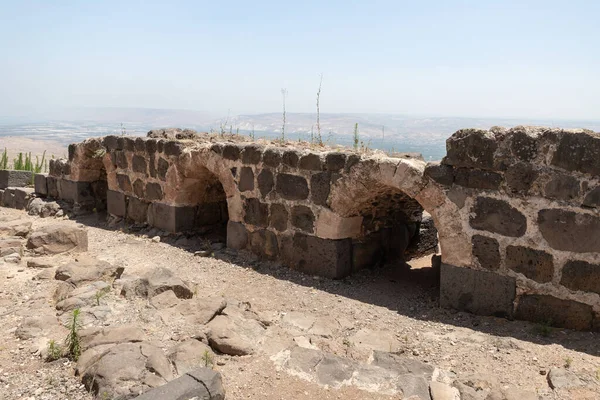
(4, 160)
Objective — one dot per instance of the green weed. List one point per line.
(73, 341)
(55, 351)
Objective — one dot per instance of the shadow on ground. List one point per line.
(412, 292)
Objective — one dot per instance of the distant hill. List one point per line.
(426, 135)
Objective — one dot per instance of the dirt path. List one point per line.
(398, 306)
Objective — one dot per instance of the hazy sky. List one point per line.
(454, 58)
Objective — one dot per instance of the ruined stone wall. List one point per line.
(275, 198)
(517, 211)
(529, 203)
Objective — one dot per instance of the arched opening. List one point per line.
(203, 192)
(397, 233)
(395, 230)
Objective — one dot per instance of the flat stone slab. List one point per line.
(11, 178)
(200, 384)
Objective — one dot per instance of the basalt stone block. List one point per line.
(163, 167)
(320, 186)
(335, 162)
(173, 148)
(22, 195)
(554, 311)
(246, 179)
(272, 158)
(10, 178)
(40, 184)
(137, 210)
(140, 145)
(315, 256)
(200, 384)
(111, 143)
(231, 152)
(151, 146)
(71, 151)
(520, 176)
(290, 158)
(153, 191)
(171, 218)
(351, 161)
(497, 216)
(217, 148)
(129, 144)
(487, 251)
(570, 231)
(278, 217)
(116, 203)
(152, 166)
(120, 159)
(592, 199)
(477, 179)
(473, 148)
(237, 235)
(578, 152)
(76, 191)
(523, 145)
(534, 264)
(264, 243)
(233, 171)
(139, 164)
(120, 142)
(562, 187)
(440, 173)
(266, 182)
(160, 145)
(251, 154)
(303, 218)
(478, 292)
(291, 187)
(256, 213)
(53, 184)
(581, 275)
(139, 188)
(124, 183)
(310, 162)
(8, 197)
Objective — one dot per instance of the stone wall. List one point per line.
(528, 199)
(516, 211)
(274, 199)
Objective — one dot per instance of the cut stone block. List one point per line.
(478, 292)
(10, 178)
(39, 182)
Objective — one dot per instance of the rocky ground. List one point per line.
(152, 307)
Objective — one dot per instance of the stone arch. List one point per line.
(370, 176)
(198, 180)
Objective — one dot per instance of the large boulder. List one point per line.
(43, 208)
(234, 335)
(199, 384)
(10, 245)
(92, 337)
(154, 282)
(38, 326)
(86, 269)
(14, 227)
(84, 296)
(189, 355)
(127, 370)
(58, 238)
